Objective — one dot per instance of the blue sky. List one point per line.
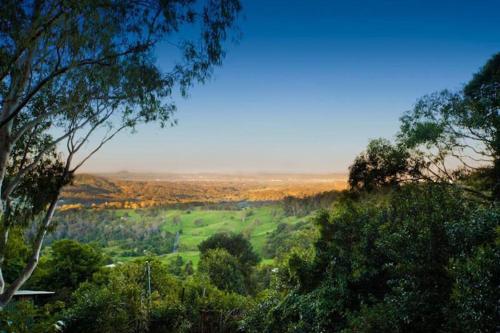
(310, 83)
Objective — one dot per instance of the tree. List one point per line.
(235, 244)
(188, 269)
(223, 269)
(418, 258)
(118, 300)
(71, 263)
(483, 91)
(15, 255)
(72, 69)
(117, 303)
(286, 237)
(448, 137)
(175, 265)
(382, 164)
(457, 133)
(238, 247)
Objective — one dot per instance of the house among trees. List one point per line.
(32, 295)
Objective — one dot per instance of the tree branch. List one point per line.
(30, 266)
(17, 179)
(57, 72)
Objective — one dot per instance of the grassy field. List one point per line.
(198, 224)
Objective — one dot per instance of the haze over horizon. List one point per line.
(227, 173)
(310, 83)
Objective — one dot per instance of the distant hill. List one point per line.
(130, 190)
(90, 188)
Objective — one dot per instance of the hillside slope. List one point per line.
(125, 190)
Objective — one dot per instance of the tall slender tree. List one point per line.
(71, 70)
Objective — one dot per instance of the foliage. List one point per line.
(223, 269)
(448, 137)
(257, 318)
(16, 255)
(382, 164)
(40, 185)
(234, 244)
(419, 257)
(118, 301)
(26, 317)
(130, 233)
(288, 236)
(294, 206)
(209, 309)
(405, 264)
(462, 127)
(238, 255)
(475, 291)
(108, 228)
(69, 264)
(175, 266)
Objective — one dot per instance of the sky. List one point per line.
(310, 83)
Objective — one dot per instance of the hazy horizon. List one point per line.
(215, 172)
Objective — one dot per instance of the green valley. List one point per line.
(179, 231)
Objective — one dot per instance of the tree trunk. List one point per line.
(5, 149)
(9, 292)
(496, 179)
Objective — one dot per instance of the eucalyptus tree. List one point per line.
(75, 70)
(458, 133)
(447, 137)
(382, 164)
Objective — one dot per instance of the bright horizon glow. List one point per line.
(310, 83)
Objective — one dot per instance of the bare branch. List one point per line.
(17, 179)
(102, 143)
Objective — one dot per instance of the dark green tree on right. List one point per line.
(448, 137)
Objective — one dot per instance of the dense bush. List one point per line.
(26, 317)
(118, 300)
(288, 236)
(421, 259)
(237, 245)
(223, 269)
(239, 260)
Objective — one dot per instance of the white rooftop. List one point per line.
(32, 292)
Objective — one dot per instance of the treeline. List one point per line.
(134, 236)
(295, 206)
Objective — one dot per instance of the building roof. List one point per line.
(32, 293)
